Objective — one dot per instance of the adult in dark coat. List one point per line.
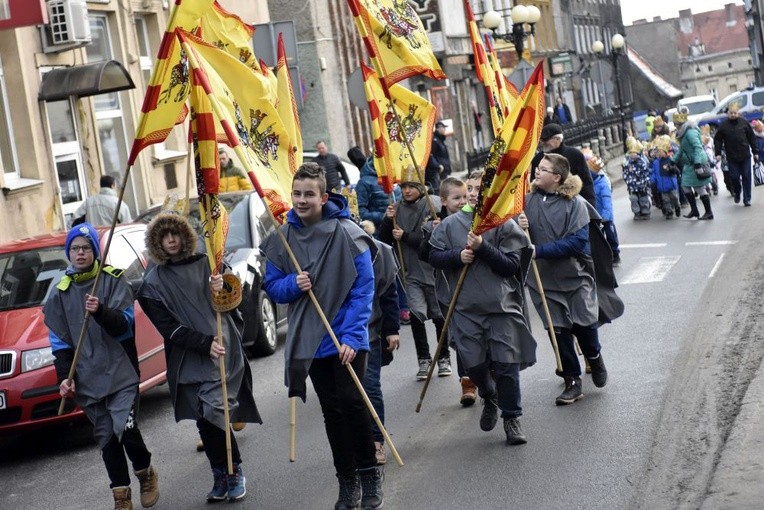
(735, 136)
(552, 142)
(439, 164)
(333, 167)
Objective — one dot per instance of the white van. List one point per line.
(697, 105)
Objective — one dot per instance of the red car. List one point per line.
(29, 270)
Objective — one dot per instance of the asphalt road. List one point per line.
(589, 455)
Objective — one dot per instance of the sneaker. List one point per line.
(219, 486)
(149, 486)
(747, 204)
(424, 367)
(514, 432)
(371, 488)
(379, 453)
(737, 198)
(405, 317)
(350, 493)
(469, 392)
(571, 393)
(490, 414)
(599, 372)
(237, 484)
(444, 367)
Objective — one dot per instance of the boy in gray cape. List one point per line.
(488, 325)
(105, 384)
(558, 220)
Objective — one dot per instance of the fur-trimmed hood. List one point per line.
(568, 189)
(159, 226)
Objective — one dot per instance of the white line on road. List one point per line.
(651, 269)
(716, 266)
(646, 245)
(709, 243)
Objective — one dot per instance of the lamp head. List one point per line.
(520, 14)
(491, 20)
(618, 41)
(534, 14)
(598, 47)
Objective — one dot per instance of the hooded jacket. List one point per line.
(578, 167)
(372, 199)
(690, 155)
(603, 196)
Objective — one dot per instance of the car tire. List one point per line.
(266, 337)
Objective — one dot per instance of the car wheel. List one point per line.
(266, 339)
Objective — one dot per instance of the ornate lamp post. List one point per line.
(518, 17)
(617, 42)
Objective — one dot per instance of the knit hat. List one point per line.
(633, 145)
(662, 142)
(595, 163)
(680, 117)
(87, 231)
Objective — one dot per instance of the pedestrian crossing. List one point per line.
(655, 269)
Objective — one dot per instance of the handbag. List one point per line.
(704, 171)
(758, 174)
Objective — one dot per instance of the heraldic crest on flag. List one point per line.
(408, 130)
(263, 142)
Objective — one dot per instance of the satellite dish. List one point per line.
(356, 91)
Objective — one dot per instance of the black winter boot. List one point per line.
(707, 214)
(371, 486)
(350, 493)
(571, 393)
(599, 372)
(693, 206)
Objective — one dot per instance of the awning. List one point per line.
(84, 80)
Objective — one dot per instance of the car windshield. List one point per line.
(700, 107)
(27, 277)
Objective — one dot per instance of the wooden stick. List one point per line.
(292, 428)
(224, 385)
(81, 340)
(398, 245)
(443, 333)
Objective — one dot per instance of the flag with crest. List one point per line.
(507, 92)
(417, 118)
(228, 32)
(395, 40)
(249, 121)
(164, 104)
(287, 107)
(504, 184)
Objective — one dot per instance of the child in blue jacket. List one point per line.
(664, 174)
(603, 200)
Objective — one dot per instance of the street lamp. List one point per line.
(519, 16)
(617, 42)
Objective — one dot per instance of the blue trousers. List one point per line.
(504, 385)
(588, 340)
(741, 171)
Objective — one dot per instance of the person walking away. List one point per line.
(604, 199)
(336, 257)
(98, 210)
(333, 167)
(664, 173)
(636, 175)
(552, 142)
(558, 222)
(372, 199)
(106, 380)
(232, 178)
(488, 325)
(689, 157)
(563, 112)
(176, 295)
(403, 223)
(735, 137)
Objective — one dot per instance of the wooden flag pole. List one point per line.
(292, 429)
(398, 246)
(224, 385)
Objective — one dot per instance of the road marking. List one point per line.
(646, 245)
(650, 270)
(716, 266)
(710, 243)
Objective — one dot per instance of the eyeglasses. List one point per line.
(542, 169)
(85, 248)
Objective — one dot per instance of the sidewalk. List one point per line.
(614, 172)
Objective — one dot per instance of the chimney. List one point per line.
(729, 11)
(656, 18)
(685, 21)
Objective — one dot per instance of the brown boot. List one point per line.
(149, 486)
(469, 392)
(238, 426)
(122, 498)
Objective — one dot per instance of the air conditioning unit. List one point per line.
(68, 22)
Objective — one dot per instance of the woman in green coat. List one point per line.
(689, 157)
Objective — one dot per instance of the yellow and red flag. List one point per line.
(507, 92)
(230, 33)
(249, 121)
(164, 104)
(417, 118)
(207, 163)
(504, 184)
(287, 108)
(395, 40)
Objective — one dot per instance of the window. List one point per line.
(122, 256)
(8, 161)
(758, 99)
(144, 47)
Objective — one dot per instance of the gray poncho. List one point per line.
(107, 383)
(488, 320)
(411, 217)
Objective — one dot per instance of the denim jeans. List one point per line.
(346, 419)
(506, 387)
(741, 170)
(588, 340)
(372, 383)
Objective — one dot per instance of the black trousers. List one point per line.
(588, 340)
(347, 421)
(419, 332)
(506, 388)
(213, 439)
(114, 455)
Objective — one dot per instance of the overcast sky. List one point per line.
(647, 9)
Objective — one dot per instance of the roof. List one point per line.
(713, 30)
(652, 75)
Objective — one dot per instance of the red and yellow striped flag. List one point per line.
(395, 40)
(507, 92)
(417, 118)
(230, 33)
(164, 104)
(207, 163)
(287, 108)
(250, 122)
(504, 184)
